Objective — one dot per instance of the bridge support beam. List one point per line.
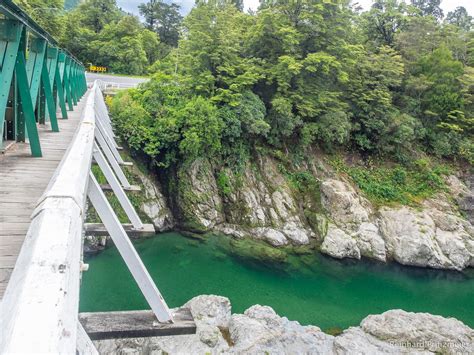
(34, 76)
(128, 252)
(117, 189)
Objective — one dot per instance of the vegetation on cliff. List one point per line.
(392, 83)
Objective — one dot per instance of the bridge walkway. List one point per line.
(23, 179)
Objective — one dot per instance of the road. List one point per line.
(124, 80)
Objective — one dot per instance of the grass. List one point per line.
(406, 185)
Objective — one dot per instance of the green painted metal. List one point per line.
(60, 94)
(36, 77)
(51, 63)
(27, 105)
(67, 84)
(10, 35)
(20, 125)
(48, 94)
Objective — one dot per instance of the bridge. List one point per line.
(53, 126)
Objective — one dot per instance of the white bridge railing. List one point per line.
(107, 85)
(39, 310)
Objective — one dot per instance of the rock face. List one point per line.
(339, 244)
(427, 238)
(261, 202)
(198, 202)
(434, 236)
(260, 330)
(155, 206)
(353, 232)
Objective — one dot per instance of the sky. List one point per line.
(446, 5)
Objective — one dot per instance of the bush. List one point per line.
(398, 184)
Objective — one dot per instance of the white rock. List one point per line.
(155, 206)
(426, 331)
(272, 236)
(260, 330)
(210, 309)
(370, 242)
(232, 230)
(355, 341)
(412, 238)
(346, 208)
(296, 234)
(201, 201)
(339, 244)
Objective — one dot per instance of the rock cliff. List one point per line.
(259, 330)
(316, 206)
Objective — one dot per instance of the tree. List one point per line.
(239, 4)
(391, 81)
(119, 46)
(370, 92)
(429, 8)
(384, 20)
(162, 18)
(442, 96)
(459, 17)
(47, 13)
(95, 14)
(419, 36)
(210, 54)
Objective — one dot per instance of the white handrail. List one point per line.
(39, 311)
(40, 307)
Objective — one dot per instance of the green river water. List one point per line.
(310, 288)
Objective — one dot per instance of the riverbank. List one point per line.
(260, 330)
(311, 288)
(323, 202)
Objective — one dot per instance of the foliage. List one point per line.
(459, 17)
(98, 32)
(162, 18)
(428, 8)
(384, 20)
(47, 13)
(393, 82)
(396, 184)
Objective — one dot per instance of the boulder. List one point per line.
(210, 309)
(370, 242)
(270, 235)
(296, 234)
(422, 331)
(339, 244)
(261, 331)
(414, 238)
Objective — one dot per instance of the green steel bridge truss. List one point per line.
(36, 76)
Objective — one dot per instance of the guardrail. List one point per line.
(36, 76)
(105, 85)
(39, 311)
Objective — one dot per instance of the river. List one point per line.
(310, 288)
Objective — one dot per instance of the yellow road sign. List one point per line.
(96, 68)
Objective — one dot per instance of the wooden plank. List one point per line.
(46, 278)
(107, 187)
(135, 324)
(23, 179)
(99, 230)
